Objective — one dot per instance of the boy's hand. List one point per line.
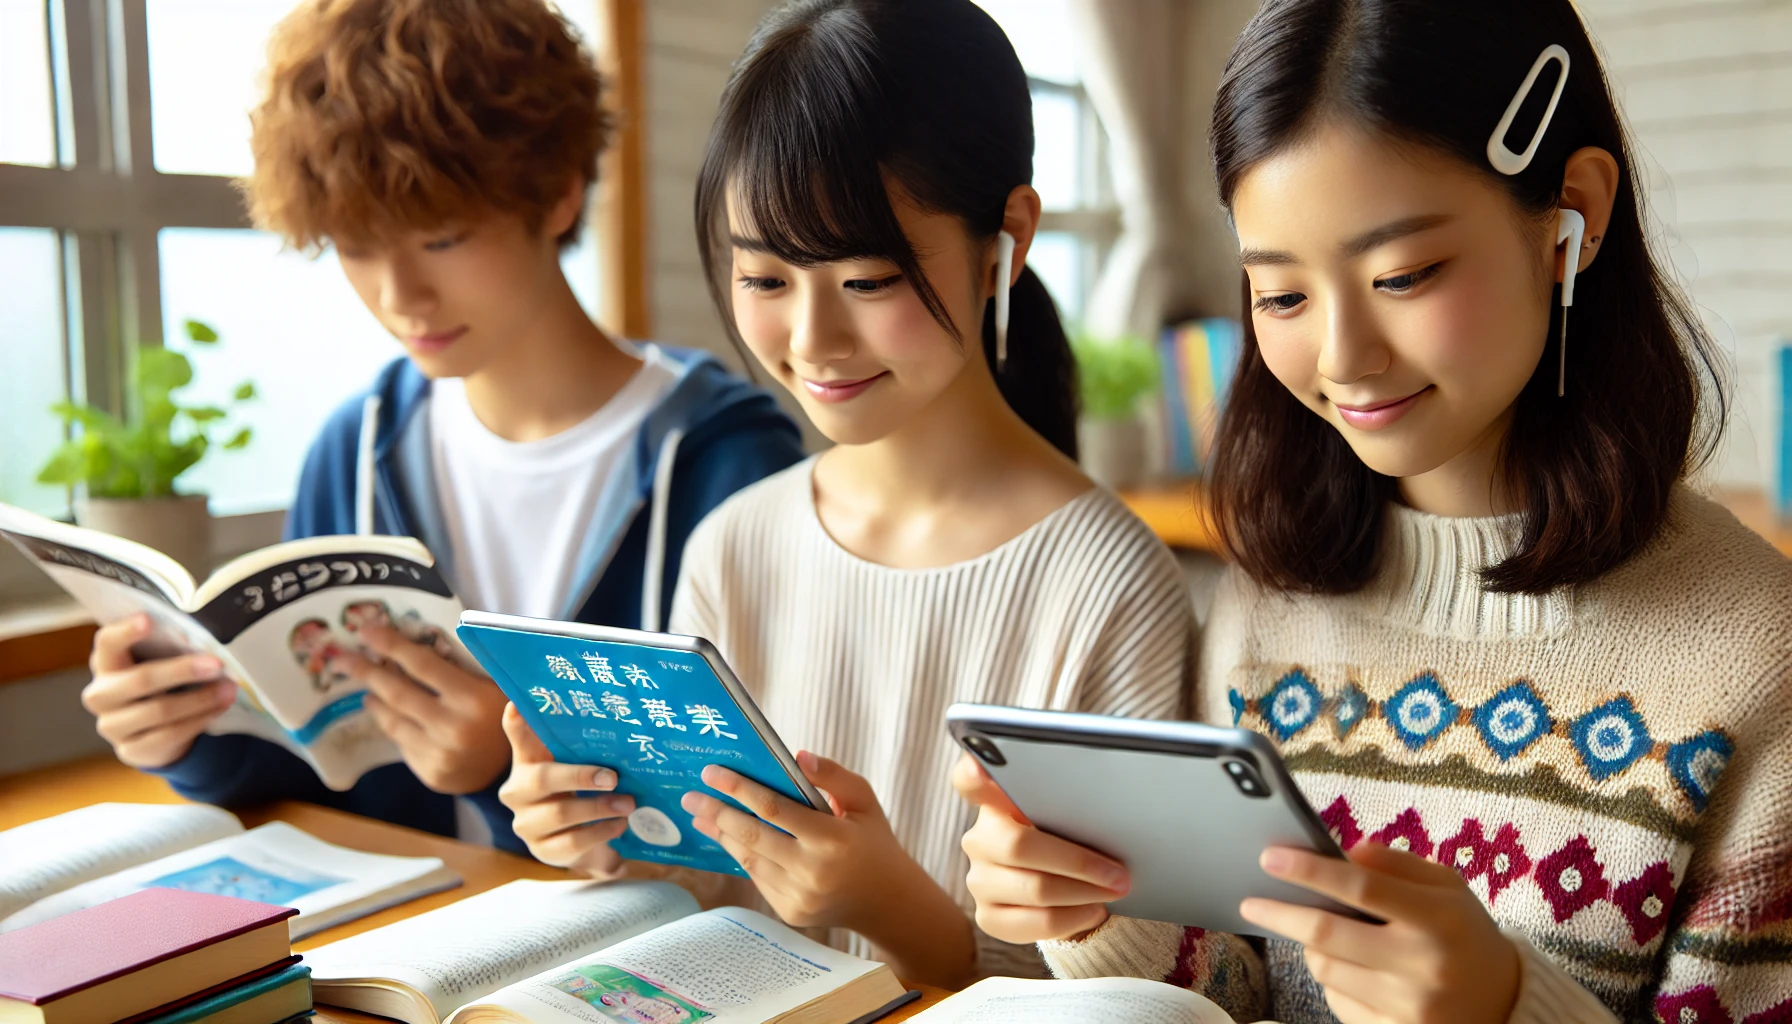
(1439, 957)
(444, 719)
(136, 706)
(1030, 886)
(562, 827)
(841, 869)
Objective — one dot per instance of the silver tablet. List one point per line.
(1187, 808)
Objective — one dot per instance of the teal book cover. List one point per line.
(297, 974)
(654, 715)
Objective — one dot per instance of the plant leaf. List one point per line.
(204, 413)
(162, 370)
(244, 391)
(67, 466)
(201, 333)
(240, 439)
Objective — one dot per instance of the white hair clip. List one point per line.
(1504, 160)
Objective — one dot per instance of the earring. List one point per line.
(1004, 274)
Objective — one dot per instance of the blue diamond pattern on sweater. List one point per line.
(1696, 764)
(1236, 699)
(1420, 711)
(1610, 738)
(1292, 705)
(1514, 719)
(1348, 708)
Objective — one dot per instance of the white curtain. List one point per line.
(1133, 71)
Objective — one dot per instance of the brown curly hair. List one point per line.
(380, 116)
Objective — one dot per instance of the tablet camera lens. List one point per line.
(985, 750)
(1246, 779)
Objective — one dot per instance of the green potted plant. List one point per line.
(1113, 374)
(125, 469)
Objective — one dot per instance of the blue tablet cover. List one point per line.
(654, 715)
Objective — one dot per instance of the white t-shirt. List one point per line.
(518, 513)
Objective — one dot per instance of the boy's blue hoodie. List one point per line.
(370, 471)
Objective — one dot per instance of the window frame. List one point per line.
(1097, 220)
(108, 203)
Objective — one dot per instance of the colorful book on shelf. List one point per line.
(139, 953)
(1198, 360)
(282, 620)
(88, 856)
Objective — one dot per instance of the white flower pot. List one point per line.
(1113, 451)
(179, 527)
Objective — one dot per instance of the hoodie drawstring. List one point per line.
(370, 418)
(653, 579)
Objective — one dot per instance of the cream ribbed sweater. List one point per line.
(1609, 766)
(1084, 611)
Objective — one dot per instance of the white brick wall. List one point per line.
(1707, 88)
(690, 46)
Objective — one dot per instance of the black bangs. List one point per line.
(835, 107)
(803, 139)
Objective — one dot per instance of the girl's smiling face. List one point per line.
(1399, 295)
(852, 340)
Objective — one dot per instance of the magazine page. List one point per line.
(470, 949)
(111, 589)
(41, 858)
(275, 864)
(1115, 1000)
(726, 966)
(292, 624)
(655, 715)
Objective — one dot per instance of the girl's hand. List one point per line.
(841, 869)
(555, 814)
(1030, 886)
(1439, 957)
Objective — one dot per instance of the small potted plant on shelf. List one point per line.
(1113, 374)
(124, 469)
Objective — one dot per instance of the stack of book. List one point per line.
(1198, 360)
(159, 956)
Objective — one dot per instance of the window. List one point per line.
(122, 123)
(1069, 153)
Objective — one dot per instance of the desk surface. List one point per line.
(47, 791)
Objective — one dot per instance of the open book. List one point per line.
(1113, 1000)
(600, 953)
(280, 619)
(85, 857)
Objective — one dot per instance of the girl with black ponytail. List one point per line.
(864, 210)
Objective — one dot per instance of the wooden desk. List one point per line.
(39, 794)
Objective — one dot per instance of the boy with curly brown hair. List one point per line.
(445, 149)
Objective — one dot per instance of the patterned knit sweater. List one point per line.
(1608, 766)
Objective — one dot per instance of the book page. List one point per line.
(1113, 1000)
(41, 858)
(726, 966)
(275, 864)
(470, 949)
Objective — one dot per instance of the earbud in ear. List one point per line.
(1571, 227)
(1004, 274)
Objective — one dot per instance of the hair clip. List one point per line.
(1504, 160)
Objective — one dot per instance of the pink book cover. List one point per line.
(53, 958)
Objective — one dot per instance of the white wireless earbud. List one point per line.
(1571, 227)
(1004, 274)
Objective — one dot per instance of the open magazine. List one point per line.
(281, 619)
(564, 952)
(85, 857)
